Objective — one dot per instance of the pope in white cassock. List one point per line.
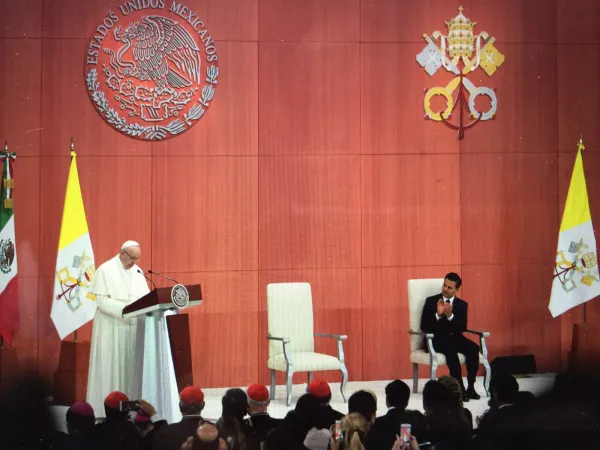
(114, 361)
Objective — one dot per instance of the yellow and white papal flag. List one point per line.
(72, 305)
(576, 277)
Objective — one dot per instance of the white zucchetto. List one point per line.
(128, 244)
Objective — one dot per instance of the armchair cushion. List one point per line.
(305, 362)
(422, 357)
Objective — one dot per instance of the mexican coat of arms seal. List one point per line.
(151, 68)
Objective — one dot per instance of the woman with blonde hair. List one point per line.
(354, 428)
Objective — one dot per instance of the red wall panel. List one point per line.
(20, 94)
(26, 195)
(188, 195)
(578, 112)
(514, 20)
(309, 212)
(309, 20)
(314, 163)
(27, 339)
(509, 208)
(410, 210)
(392, 111)
(309, 98)
(21, 19)
(399, 21)
(577, 21)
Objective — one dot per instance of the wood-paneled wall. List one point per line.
(315, 164)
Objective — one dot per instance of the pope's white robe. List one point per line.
(115, 359)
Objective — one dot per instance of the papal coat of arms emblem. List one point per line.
(151, 68)
(578, 265)
(75, 279)
(461, 52)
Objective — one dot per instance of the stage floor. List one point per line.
(536, 384)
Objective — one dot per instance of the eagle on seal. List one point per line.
(158, 41)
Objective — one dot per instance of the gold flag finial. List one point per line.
(6, 146)
(580, 145)
(72, 147)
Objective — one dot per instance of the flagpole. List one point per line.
(71, 150)
(582, 147)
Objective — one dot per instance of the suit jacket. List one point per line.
(261, 424)
(116, 435)
(502, 428)
(330, 415)
(172, 437)
(444, 327)
(382, 434)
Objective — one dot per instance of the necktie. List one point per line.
(447, 301)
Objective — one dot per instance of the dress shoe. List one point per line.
(465, 397)
(472, 394)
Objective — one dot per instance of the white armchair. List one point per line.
(418, 291)
(291, 336)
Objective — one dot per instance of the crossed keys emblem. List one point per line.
(455, 54)
(83, 271)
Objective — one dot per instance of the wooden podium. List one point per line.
(164, 347)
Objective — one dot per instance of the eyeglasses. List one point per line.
(131, 257)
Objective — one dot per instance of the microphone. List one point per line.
(164, 276)
(149, 279)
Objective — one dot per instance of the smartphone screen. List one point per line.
(405, 432)
(128, 406)
(338, 429)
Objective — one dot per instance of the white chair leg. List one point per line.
(434, 367)
(272, 397)
(310, 378)
(487, 377)
(344, 371)
(288, 385)
(415, 378)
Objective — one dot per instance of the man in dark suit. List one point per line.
(172, 437)
(384, 431)
(503, 424)
(260, 421)
(445, 315)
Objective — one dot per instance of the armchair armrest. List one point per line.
(429, 339)
(285, 340)
(339, 337)
(420, 333)
(286, 353)
(483, 334)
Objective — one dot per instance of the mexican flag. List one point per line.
(73, 305)
(9, 288)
